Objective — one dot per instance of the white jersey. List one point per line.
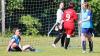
(59, 16)
(59, 19)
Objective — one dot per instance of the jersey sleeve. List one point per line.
(89, 13)
(12, 38)
(75, 16)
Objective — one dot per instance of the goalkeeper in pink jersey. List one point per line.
(69, 17)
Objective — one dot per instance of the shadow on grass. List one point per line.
(96, 52)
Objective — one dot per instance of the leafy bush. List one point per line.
(32, 24)
(11, 5)
(95, 4)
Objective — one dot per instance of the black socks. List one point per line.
(67, 41)
(91, 45)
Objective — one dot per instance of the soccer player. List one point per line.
(69, 18)
(59, 26)
(14, 43)
(87, 27)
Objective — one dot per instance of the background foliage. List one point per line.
(95, 5)
(43, 10)
(32, 24)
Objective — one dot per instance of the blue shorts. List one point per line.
(87, 30)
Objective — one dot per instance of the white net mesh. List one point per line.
(22, 14)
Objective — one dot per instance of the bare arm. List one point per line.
(87, 19)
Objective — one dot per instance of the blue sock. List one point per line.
(84, 45)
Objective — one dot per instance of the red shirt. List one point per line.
(69, 17)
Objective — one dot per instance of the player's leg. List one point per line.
(28, 47)
(83, 42)
(69, 32)
(90, 44)
(15, 47)
(63, 35)
(63, 39)
(89, 36)
(57, 38)
(67, 41)
(83, 39)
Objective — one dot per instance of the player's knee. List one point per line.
(68, 36)
(83, 38)
(89, 39)
(13, 45)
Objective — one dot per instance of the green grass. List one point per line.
(44, 44)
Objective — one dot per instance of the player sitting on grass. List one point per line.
(14, 43)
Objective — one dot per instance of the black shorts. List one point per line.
(15, 49)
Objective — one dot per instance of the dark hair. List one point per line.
(87, 5)
(71, 5)
(19, 38)
(14, 30)
(60, 3)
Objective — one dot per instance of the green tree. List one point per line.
(14, 4)
(31, 23)
(95, 6)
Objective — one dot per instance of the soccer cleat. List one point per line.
(33, 50)
(65, 48)
(90, 51)
(54, 45)
(62, 46)
(83, 51)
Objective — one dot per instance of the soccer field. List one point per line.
(43, 44)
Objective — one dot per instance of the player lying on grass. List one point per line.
(14, 43)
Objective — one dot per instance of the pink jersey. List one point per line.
(69, 17)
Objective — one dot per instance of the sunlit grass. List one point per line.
(43, 44)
